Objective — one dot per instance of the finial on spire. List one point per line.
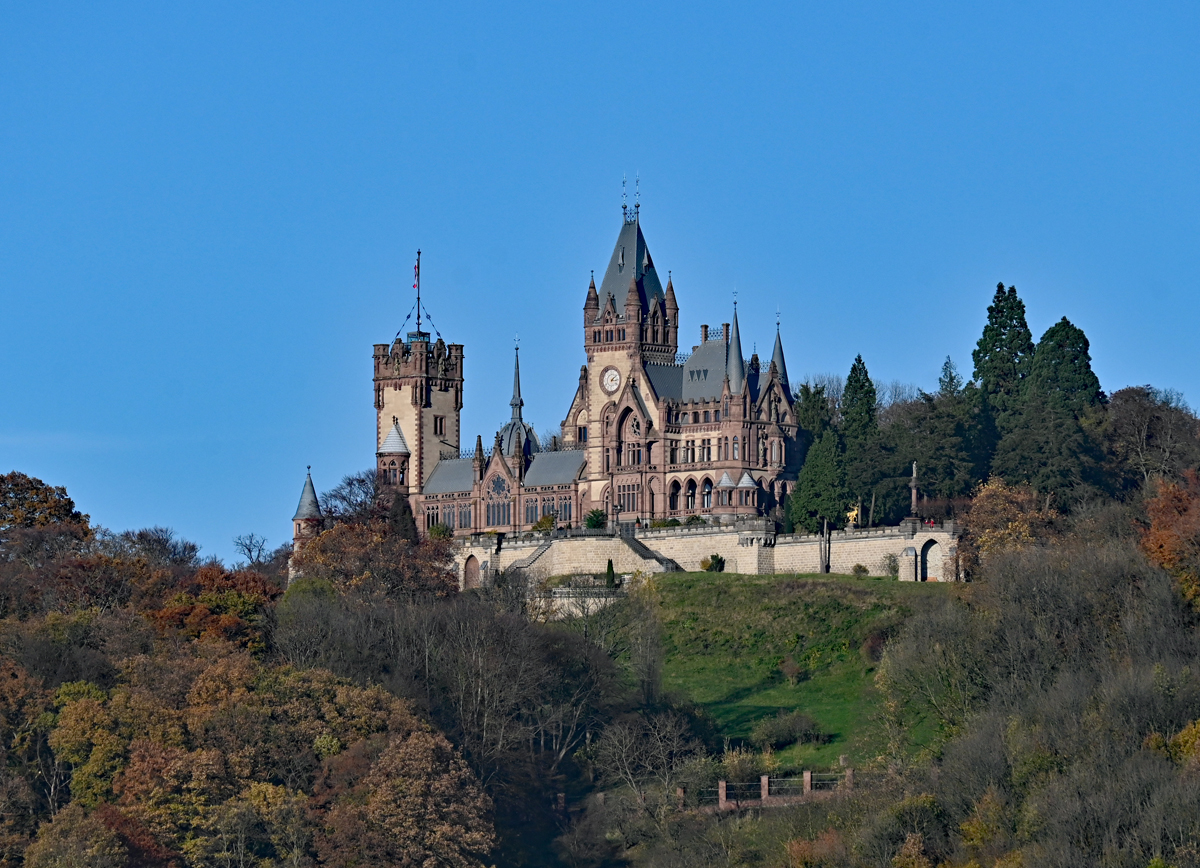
(735, 300)
(776, 317)
(310, 467)
(417, 287)
(624, 201)
(637, 191)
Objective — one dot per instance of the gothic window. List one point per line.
(736, 457)
(690, 497)
(582, 434)
(448, 517)
(439, 426)
(706, 416)
(498, 504)
(391, 473)
(531, 510)
(464, 517)
(695, 418)
(706, 450)
(716, 415)
(673, 497)
(706, 494)
(596, 336)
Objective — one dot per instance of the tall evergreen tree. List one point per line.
(949, 383)
(1002, 357)
(820, 494)
(1054, 445)
(1062, 368)
(812, 409)
(860, 433)
(859, 422)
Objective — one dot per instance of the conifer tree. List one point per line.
(949, 383)
(820, 490)
(401, 520)
(1051, 445)
(1002, 357)
(860, 431)
(1062, 368)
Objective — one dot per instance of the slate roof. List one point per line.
(726, 480)
(736, 369)
(747, 481)
(630, 258)
(667, 380)
(704, 371)
(309, 506)
(394, 443)
(780, 364)
(449, 475)
(555, 468)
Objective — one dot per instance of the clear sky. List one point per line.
(209, 212)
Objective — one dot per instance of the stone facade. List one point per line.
(749, 546)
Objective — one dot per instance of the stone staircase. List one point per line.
(644, 551)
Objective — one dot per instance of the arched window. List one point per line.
(690, 497)
(499, 507)
(391, 473)
(736, 456)
(673, 497)
(706, 495)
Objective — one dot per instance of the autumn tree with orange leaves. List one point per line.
(1172, 538)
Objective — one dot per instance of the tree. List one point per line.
(813, 411)
(1151, 433)
(251, 546)
(1053, 444)
(1002, 356)
(76, 840)
(949, 383)
(354, 499)
(28, 502)
(370, 558)
(820, 492)
(1172, 539)
(1061, 369)
(596, 519)
(860, 432)
(401, 519)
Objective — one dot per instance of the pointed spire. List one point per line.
(735, 365)
(632, 299)
(778, 362)
(516, 403)
(309, 506)
(593, 299)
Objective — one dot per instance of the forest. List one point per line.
(159, 708)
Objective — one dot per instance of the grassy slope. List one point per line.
(726, 634)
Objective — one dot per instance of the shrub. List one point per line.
(597, 519)
(610, 575)
(440, 531)
(786, 728)
(693, 520)
(891, 566)
(665, 522)
(859, 571)
(546, 522)
(791, 669)
(713, 564)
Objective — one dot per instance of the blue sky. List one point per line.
(208, 212)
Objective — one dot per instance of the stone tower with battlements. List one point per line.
(418, 392)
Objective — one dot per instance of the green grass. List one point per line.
(725, 636)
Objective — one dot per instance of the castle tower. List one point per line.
(307, 521)
(419, 388)
(392, 460)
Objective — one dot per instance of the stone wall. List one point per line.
(750, 547)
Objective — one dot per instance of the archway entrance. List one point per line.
(931, 562)
(471, 573)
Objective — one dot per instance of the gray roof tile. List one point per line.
(555, 468)
(450, 475)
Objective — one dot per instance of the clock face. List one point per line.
(610, 380)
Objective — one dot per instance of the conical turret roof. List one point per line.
(735, 365)
(630, 260)
(309, 506)
(394, 443)
(777, 360)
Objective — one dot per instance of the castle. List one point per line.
(651, 434)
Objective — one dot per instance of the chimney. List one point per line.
(725, 332)
(703, 333)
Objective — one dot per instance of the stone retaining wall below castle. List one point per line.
(920, 552)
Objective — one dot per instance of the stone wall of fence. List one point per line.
(919, 552)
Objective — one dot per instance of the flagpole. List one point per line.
(417, 287)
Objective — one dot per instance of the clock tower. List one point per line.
(629, 322)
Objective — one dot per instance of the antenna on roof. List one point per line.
(417, 287)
